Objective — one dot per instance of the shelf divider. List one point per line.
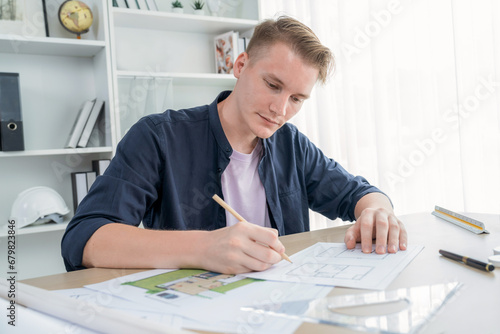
(59, 151)
(182, 78)
(141, 19)
(50, 46)
(49, 227)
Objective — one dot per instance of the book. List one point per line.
(80, 184)
(100, 134)
(91, 122)
(122, 3)
(241, 45)
(247, 34)
(152, 5)
(142, 4)
(79, 187)
(99, 166)
(226, 51)
(247, 40)
(132, 4)
(91, 176)
(79, 124)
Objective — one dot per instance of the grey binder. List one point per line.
(11, 122)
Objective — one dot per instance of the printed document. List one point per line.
(335, 265)
(201, 300)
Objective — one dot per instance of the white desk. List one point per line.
(475, 309)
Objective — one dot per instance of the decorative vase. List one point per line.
(178, 10)
(199, 12)
(213, 7)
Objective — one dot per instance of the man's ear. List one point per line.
(240, 64)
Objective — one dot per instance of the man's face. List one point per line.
(271, 89)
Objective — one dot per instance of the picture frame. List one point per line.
(24, 18)
(226, 51)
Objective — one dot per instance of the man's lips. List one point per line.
(269, 120)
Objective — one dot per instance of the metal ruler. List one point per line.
(468, 223)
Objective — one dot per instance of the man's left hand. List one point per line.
(381, 225)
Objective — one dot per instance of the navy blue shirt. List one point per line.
(168, 166)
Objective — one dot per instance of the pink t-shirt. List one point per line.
(243, 189)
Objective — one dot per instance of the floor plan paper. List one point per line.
(200, 299)
(334, 265)
(31, 321)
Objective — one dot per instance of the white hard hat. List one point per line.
(38, 205)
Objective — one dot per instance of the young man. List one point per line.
(241, 147)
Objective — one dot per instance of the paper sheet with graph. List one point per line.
(333, 264)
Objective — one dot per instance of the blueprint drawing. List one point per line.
(333, 264)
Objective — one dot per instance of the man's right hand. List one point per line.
(240, 248)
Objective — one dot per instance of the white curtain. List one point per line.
(414, 104)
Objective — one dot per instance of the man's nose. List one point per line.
(279, 105)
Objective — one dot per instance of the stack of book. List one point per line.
(84, 124)
(82, 181)
(228, 47)
(136, 4)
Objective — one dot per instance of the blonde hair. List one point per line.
(296, 35)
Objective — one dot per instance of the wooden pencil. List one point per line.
(240, 218)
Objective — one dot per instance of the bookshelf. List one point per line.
(57, 74)
(147, 46)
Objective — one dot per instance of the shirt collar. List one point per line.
(216, 125)
(217, 130)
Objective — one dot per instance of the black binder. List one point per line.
(11, 122)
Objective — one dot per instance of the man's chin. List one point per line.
(266, 134)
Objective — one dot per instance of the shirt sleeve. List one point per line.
(122, 194)
(331, 190)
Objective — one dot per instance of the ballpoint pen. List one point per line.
(468, 261)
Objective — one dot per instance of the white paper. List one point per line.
(31, 321)
(104, 300)
(185, 305)
(334, 265)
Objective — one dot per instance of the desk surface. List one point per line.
(474, 309)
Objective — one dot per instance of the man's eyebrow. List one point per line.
(278, 81)
(275, 78)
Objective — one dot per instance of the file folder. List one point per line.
(11, 123)
(79, 186)
(99, 166)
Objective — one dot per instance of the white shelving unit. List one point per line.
(183, 78)
(57, 74)
(51, 227)
(50, 46)
(141, 19)
(164, 45)
(62, 151)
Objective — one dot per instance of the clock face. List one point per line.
(75, 16)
